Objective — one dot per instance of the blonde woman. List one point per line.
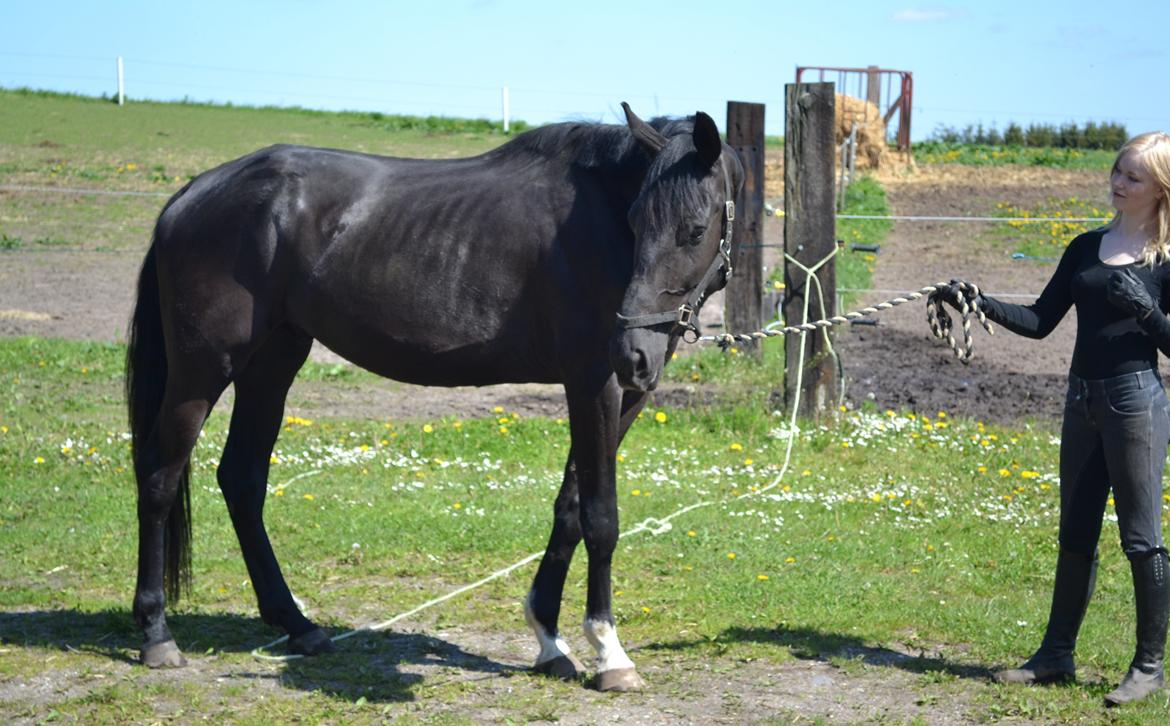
(1116, 418)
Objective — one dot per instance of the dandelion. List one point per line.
(762, 578)
(645, 610)
(660, 417)
(457, 425)
(503, 429)
(1005, 472)
(457, 505)
(498, 409)
(427, 429)
(309, 497)
(39, 460)
(789, 560)
(691, 532)
(3, 429)
(747, 462)
(636, 493)
(731, 555)
(279, 492)
(736, 447)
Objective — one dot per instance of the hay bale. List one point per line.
(871, 130)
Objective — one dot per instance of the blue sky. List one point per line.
(990, 61)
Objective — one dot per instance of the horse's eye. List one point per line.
(697, 234)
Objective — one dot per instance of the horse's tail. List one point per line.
(146, 380)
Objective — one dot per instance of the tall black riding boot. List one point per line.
(1151, 591)
(1076, 576)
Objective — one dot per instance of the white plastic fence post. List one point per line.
(505, 96)
(121, 83)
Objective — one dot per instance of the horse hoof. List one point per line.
(620, 679)
(563, 666)
(163, 655)
(314, 642)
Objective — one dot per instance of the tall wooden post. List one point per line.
(743, 299)
(809, 236)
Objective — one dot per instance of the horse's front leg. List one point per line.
(543, 605)
(596, 424)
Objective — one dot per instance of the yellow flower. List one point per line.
(503, 429)
(636, 493)
(731, 555)
(1005, 472)
(660, 417)
(279, 492)
(39, 460)
(309, 497)
(762, 578)
(645, 610)
(498, 409)
(747, 462)
(457, 505)
(427, 428)
(736, 447)
(457, 425)
(789, 560)
(691, 532)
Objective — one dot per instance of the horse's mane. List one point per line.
(589, 144)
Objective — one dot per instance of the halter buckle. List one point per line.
(686, 316)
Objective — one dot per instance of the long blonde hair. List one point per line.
(1154, 150)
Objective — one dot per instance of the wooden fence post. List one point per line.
(809, 236)
(743, 299)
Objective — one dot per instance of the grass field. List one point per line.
(889, 534)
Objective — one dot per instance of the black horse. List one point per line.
(548, 259)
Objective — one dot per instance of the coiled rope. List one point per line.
(966, 300)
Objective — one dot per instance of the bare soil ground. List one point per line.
(897, 364)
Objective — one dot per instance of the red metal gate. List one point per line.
(877, 86)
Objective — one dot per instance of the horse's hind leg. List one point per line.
(543, 604)
(243, 477)
(162, 472)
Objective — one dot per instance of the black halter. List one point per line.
(685, 315)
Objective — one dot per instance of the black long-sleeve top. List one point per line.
(1110, 341)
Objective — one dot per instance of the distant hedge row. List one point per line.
(1109, 136)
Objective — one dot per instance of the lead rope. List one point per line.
(967, 298)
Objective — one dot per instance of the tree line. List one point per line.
(1065, 136)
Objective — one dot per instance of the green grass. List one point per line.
(922, 532)
(937, 152)
(1044, 241)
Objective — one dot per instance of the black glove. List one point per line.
(1127, 292)
(951, 292)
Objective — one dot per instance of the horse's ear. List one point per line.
(644, 133)
(707, 141)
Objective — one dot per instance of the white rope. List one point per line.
(73, 190)
(883, 217)
(928, 218)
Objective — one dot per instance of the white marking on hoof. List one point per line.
(610, 654)
(552, 646)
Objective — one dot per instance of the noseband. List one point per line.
(685, 315)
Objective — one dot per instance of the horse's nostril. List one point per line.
(641, 364)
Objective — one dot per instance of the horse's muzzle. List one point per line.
(637, 357)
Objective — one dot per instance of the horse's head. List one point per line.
(682, 222)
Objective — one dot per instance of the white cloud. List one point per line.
(930, 15)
